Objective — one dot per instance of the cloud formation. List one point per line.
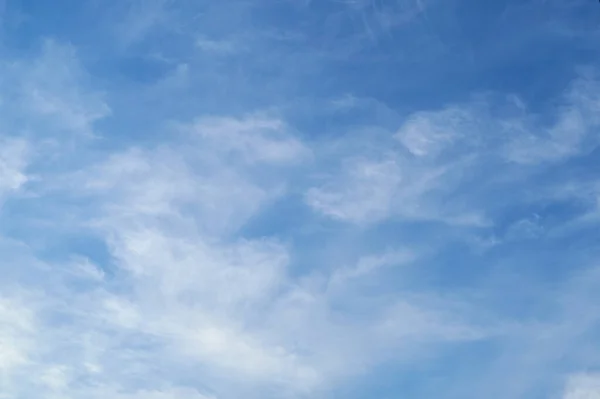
(287, 200)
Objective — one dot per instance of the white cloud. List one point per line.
(442, 151)
(83, 267)
(364, 193)
(213, 46)
(52, 88)
(195, 294)
(205, 297)
(18, 328)
(407, 323)
(254, 139)
(222, 173)
(429, 133)
(572, 132)
(55, 378)
(369, 190)
(165, 222)
(13, 164)
(171, 393)
(372, 264)
(583, 386)
(183, 302)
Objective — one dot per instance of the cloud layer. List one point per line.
(204, 201)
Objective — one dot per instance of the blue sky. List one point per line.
(299, 199)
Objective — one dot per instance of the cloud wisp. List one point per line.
(214, 201)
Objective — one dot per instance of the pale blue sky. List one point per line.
(385, 199)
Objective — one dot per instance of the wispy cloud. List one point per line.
(50, 87)
(582, 386)
(573, 131)
(17, 328)
(216, 46)
(284, 201)
(229, 305)
(13, 162)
